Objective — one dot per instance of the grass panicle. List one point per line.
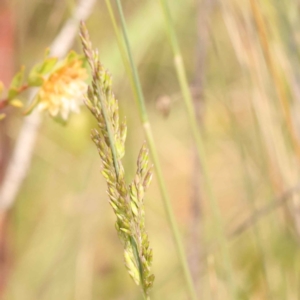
(127, 201)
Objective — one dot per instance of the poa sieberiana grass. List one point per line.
(126, 200)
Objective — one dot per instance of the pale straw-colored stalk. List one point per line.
(275, 75)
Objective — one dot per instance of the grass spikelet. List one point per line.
(127, 201)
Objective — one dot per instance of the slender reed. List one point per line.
(274, 73)
(152, 147)
(185, 89)
(121, 45)
(126, 201)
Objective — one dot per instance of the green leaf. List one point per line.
(34, 79)
(18, 78)
(71, 56)
(47, 66)
(13, 92)
(16, 84)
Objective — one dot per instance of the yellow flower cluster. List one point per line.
(63, 90)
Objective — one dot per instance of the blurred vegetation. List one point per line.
(61, 238)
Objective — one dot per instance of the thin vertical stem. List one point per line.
(146, 297)
(152, 147)
(185, 89)
(120, 44)
(278, 84)
(138, 87)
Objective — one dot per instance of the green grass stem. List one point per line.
(121, 45)
(153, 151)
(187, 97)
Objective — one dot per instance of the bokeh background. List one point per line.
(242, 60)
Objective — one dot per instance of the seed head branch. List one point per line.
(127, 201)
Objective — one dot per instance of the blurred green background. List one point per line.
(58, 238)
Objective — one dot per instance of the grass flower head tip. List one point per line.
(127, 201)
